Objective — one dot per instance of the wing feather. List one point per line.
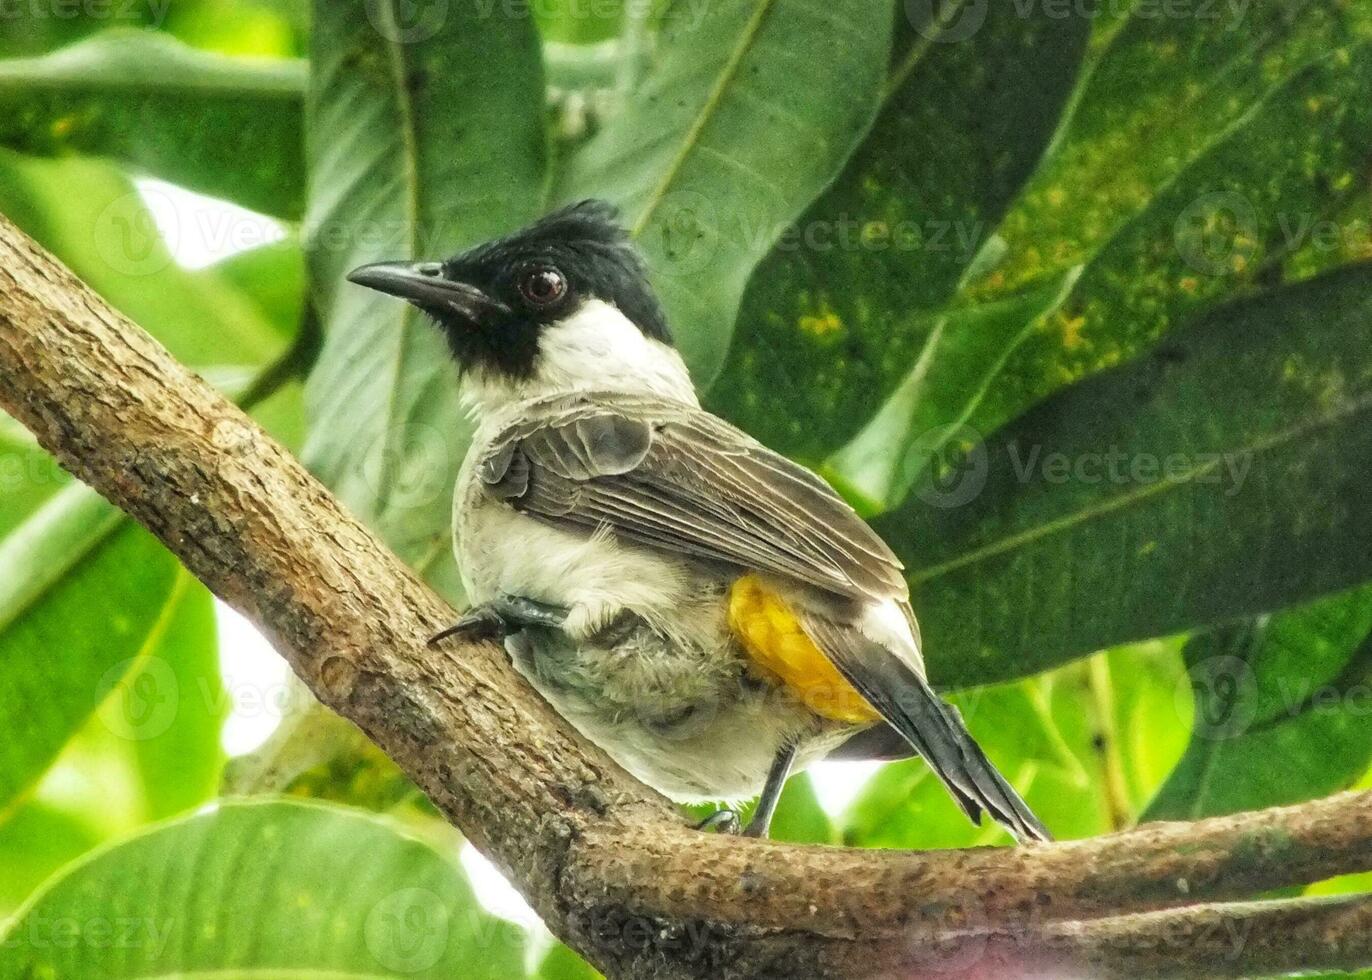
(668, 476)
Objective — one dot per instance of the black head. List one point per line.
(494, 301)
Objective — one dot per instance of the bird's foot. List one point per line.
(503, 615)
(721, 822)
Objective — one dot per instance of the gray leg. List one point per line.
(771, 791)
(501, 616)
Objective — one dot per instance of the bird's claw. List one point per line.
(503, 615)
(721, 822)
(480, 623)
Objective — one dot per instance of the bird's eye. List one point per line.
(543, 287)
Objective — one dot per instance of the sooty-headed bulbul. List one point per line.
(710, 613)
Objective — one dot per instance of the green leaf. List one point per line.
(838, 313)
(107, 236)
(1166, 92)
(1221, 475)
(171, 707)
(34, 842)
(563, 964)
(1281, 711)
(576, 22)
(228, 127)
(1250, 197)
(277, 888)
(101, 600)
(799, 817)
(428, 136)
(273, 276)
(962, 354)
(745, 113)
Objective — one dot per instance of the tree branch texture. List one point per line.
(610, 866)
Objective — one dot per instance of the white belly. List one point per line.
(731, 727)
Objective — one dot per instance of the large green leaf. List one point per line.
(107, 235)
(962, 354)
(1212, 217)
(100, 603)
(1223, 474)
(266, 889)
(745, 113)
(1281, 711)
(229, 127)
(1165, 92)
(34, 843)
(840, 310)
(427, 136)
(171, 708)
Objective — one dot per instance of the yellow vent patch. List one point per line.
(782, 653)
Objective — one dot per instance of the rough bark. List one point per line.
(609, 865)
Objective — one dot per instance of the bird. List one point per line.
(710, 613)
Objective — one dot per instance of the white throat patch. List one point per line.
(597, 347)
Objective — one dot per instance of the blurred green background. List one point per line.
(1073, 300)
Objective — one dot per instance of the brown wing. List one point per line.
(677, 479)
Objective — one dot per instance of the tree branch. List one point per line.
(609, 865)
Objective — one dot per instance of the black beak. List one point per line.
(423, 284)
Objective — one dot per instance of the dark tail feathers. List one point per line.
(935, 729)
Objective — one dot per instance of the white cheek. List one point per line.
(595, 348)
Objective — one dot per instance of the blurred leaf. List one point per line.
(1169, 493)
(838, 313)
(273, 276)
(428, 137)
(34, 842)
(962, 355)
(172, 707)
(692, 160)
(260, 28)
(228, 127)
(1281, 711)
(102, 601)
(562, 964)
(107, 236)
(577, 21)
(1250, 194)
(276, 888)
(28, 476)
(799, 818)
